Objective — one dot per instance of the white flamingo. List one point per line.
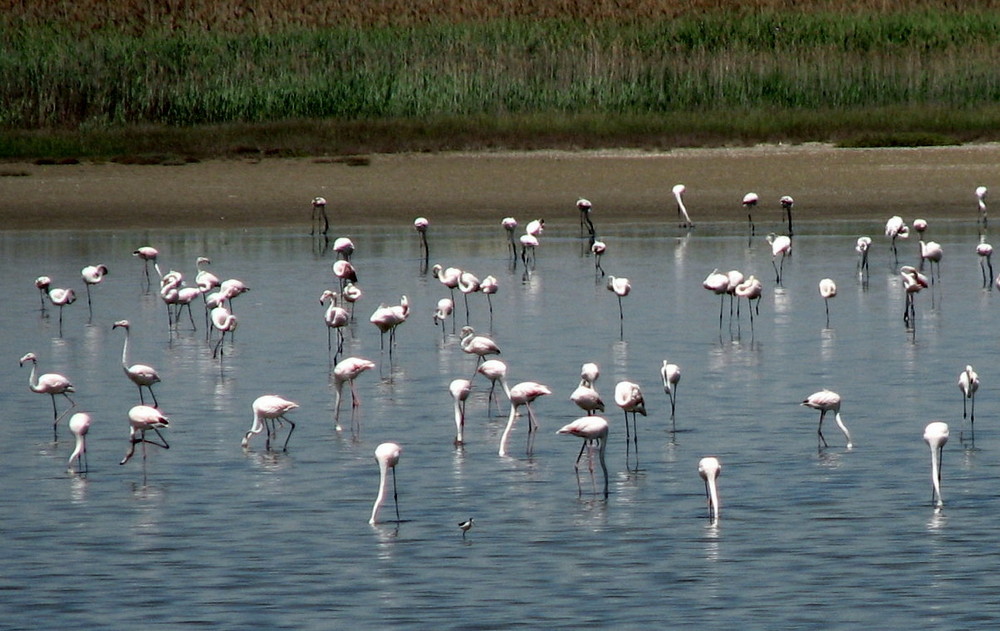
(50, 383)
(936, 436)
(92, 275)
(682, 212)
(827, 289)
(709, 469)
(387, 457)
(671, 375)
(827, 401)
(336, 318)
(524, 394)
(628, 396)
(79, 424)
(139, 374)
(347, 371)
(141, 419)
(460, 389)
(592, 429)
(270, 407)
(494, 370)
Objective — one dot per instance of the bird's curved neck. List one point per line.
(32, 377)
(125, 350)
(383, 482)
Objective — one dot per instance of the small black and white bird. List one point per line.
(466, 526)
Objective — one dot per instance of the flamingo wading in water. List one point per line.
(387, 457)
(936, 436)
(592, 429)
(139, 374)
(273, 408)
(50, 383)
(827, 401)
(709, 469)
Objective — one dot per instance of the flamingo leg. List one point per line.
(395, 495)
(819, 430)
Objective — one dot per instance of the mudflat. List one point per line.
(454, 188)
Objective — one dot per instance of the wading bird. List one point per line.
(466, 526)
(981, 196)
(628, 396)
(936, 435)
(751, 289)
(79, 424)
(140, 374)
(336, 318)
(92, 275)
(494, 370)
(593, 430)
(587, 398)
(827, 401)
(344, 247)
(387, 318)
(709, 469)
(319, 212)
(827, 289)
(444, 309)
(524, 394)
(780, 244)
(985, 252)
(460, 389)
(621, 287)
(968, 383)
(682, 213)
(148, 254)
(895, 228)
(598, 248)
(913, 282)
(931, 251)
(718, 283)
(141, 419)
(225, 322)
(584, 206)
(510, 225)
(861, 247)
(489, 286)
(42, 284)
(268, 409)
(347, 371)
(671, 375)
(749, 201)
(787, 202)
(478, 345)
(61, 297)
(387, 457)
(50, 383)
(420, 224)
(448, 276)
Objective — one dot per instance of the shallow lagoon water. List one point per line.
(209, 534)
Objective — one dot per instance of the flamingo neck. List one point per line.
(506, 431)
(382, 484)
(843, 428)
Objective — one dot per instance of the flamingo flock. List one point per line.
(145, 422)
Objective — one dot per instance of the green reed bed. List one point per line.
(720, 67)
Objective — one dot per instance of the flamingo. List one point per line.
(528, 241)
(510, 225)
(233, 287)
(420, 225)
(61, 297)
(319, 211)
(981, 196)
(968, 383)
(345, 272)
(787, 202)
(386, 319)
(678, 191)
(628, 396)
(140, 374)
(92, 275)
(985, 252)
(920, 225)
(895, 228)
(718, 283)
(827, 289)
(592, 429)
(734, 278)
(779, 245)
(584, 206)
(468, 283)
(141, 419)
(709, 469)
(494, 370)
(827, 401)
(535, 227)
(225, 322)
(598, 248)
(448, 276)
(444, 309)
(147, 254)
(270, 407)
(586, 398)
(862, 246)
(347, 371)
(913, 282)
(478, 345)
(387, 457)
(206, 280)
(79, 424)
(931, 251)
(42, 284)
(671, 375)
(460, 389)
(524, 394)
(351, 293)
(344, 247)
(621, 288)
(489, 286)
(749, 201)
(751, 288)
(589, 373)
(50, 383)
(936, 435)
(336, 318)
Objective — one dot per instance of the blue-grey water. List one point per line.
(209, 534)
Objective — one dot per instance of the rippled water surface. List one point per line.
(207, 533)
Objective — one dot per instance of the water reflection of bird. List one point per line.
(827, 401)
(50, 383)
(936, 435)
(709, 469)
(387, 456)
(593, 430)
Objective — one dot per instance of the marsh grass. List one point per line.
(275, 78)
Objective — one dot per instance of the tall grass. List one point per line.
(147, 70)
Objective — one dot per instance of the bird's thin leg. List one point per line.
(576, 468)
(827, 302)
(989, 285)
(290, 430)
(355, 401)
(777, 274)
(218, 345)
(819, 430)
(635, 440)
(395, 495)
(964, 407)
(163, 440)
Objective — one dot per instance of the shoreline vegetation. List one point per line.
(182, 81)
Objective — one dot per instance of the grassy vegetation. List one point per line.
(290, 77)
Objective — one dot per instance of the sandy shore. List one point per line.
(460, 188)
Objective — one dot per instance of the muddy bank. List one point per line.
(463, 188)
